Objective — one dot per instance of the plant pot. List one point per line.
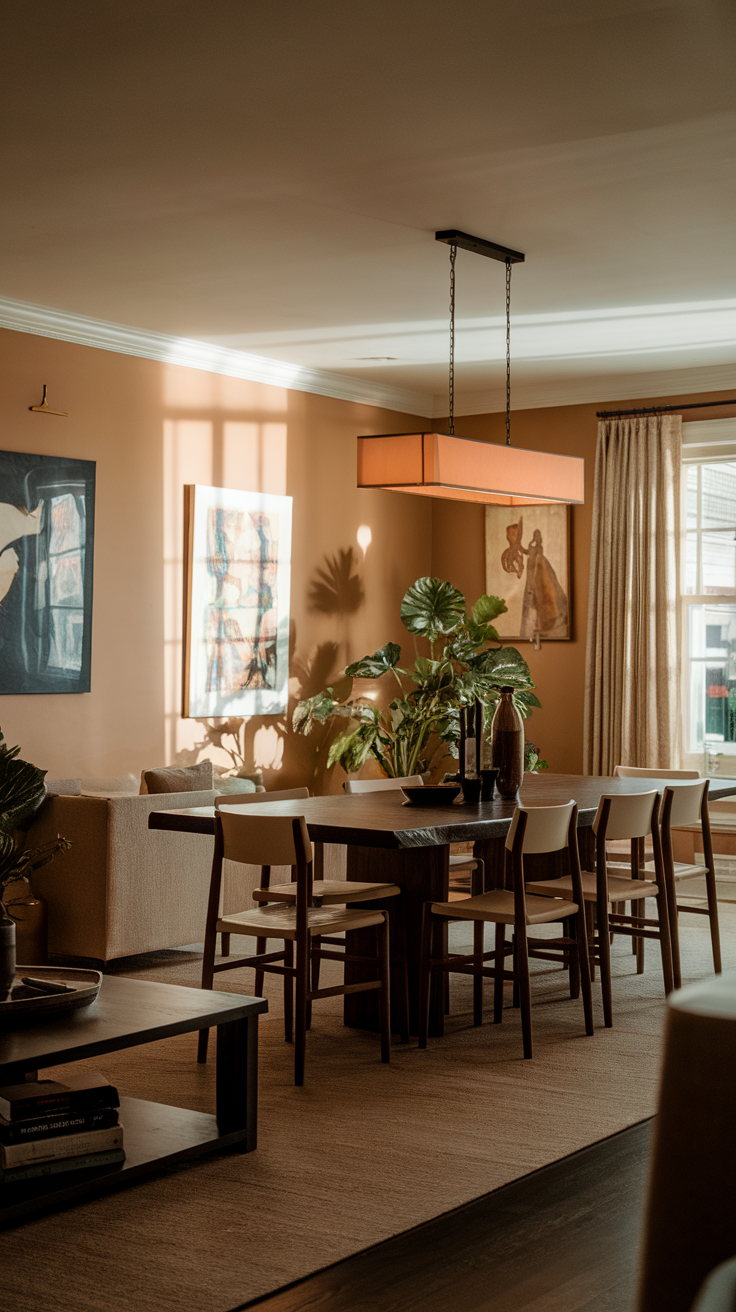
(507, 746)
(7, 957)
(30, 917)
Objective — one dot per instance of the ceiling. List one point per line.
(268, 179)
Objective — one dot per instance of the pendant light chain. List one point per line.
(508, 352)
(453, 254)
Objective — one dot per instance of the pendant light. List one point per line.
(462, 468)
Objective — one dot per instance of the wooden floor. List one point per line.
(563, 1239)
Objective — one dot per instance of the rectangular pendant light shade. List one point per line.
(463, 469)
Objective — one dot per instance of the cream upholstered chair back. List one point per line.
(547, 828)
(265, 840)
(244, 799)
(646, 772)
(626, 816)
(685, 808)
(381, 785)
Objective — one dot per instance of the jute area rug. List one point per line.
(361, 1153)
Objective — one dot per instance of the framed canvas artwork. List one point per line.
(528, 564)
(237, 578)
(47, 516)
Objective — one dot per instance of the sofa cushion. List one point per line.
(63, 787)
(114, 785)
(180, 779)
(233, 784)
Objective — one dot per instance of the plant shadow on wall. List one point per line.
(337, 589)
(267, 746)
(420, 728)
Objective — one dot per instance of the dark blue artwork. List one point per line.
(47, 515)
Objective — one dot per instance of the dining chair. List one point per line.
(534, 830)
(460, 862)
(687, 804)
(284, 840)
(329, 892)
(631, 816)
(646, 850)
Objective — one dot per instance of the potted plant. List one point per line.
(22, 789)
(466, 661)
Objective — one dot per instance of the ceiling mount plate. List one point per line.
(479, 246)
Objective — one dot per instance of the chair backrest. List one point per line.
(244, 799)
(642, 772)
(683, 805)
(627, 815)
(381, 785)
(265, 840)
(547, 828)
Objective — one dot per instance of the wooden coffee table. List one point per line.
(128, 1012)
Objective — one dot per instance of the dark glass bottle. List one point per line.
(507, 746)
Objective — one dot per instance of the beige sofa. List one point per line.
(124, 889)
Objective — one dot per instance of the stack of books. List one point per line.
(48, 1127)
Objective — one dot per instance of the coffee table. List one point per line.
(128, 1012)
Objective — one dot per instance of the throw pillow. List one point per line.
(116, 785)
(63, 787)
(180, 779)
(234, 784)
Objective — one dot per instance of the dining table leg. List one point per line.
(423, 875)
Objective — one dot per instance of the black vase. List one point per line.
(507, 746)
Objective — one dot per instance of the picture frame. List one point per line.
(237, 576)
(47, 525)
(528, 552)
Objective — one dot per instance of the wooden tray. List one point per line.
(86, 985)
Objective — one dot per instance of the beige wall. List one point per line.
(151, 428)
(558, 669)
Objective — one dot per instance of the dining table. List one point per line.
(389, 840)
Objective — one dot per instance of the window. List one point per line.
(709, 604)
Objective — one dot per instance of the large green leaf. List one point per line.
(431, 607)
(372, 667)
(488, 608)
(503, 667)
(22, 787)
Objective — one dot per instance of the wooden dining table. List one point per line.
(391, 842)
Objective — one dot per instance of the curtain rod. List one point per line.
(661, 409)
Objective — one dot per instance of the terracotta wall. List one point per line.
(151, 428)
(558, 669)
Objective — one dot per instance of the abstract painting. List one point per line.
(237, 572)
(47, 515)
(528, 564)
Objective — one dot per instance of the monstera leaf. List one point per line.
(431, 607)
(372, 667)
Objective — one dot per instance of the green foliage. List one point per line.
(431, 608)
(22, 789)
(424, 714)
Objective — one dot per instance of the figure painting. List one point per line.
(236, 642)
(47, 506)
(528, 563)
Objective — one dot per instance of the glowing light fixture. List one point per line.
(461, 468)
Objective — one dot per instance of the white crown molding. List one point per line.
(43, 321)
(599, 389)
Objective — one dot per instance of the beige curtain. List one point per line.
(632, 684)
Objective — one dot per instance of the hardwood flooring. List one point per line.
(563, 1239)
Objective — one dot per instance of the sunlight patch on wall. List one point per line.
(268, 749)
(254, 457)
